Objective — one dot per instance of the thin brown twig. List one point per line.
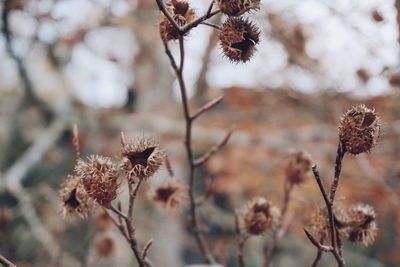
(207, 106)
(119, 225)
(6, 262)
(214, 149)
(146, 248)
(278, 233)
(118, 212)
(129, 222)
(317, 244)
(212, 25)
(336, 251)
(240, 241)
(183, 30)
(201, 242)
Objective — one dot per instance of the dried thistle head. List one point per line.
(238, 38)
(142, 158)
(235, 8)
(297, 167)
(319, 223)
(170, 195)
(105, 246)
(362, 224)
(182, 15)
(100, 179)
(359, 129)
(259, 216)
(75, 199)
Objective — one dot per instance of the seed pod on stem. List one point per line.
(238, 38)
(182, 15)
(142, 158)
(75, 199)
(362, 224)
(260, 216)
(297, 167)
(100, 179)
(235, 8)
(359, 129)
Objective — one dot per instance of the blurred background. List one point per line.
(101, 64)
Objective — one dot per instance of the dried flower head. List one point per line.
(170, 195)
(319, 223)
(75, 199)
(359, 129)
(100, 179)
(234, 8)
(238, 38)
(142, 158)
(297, 167)
(362, 224)
(105, 246)
(260, 216)
(182, 15)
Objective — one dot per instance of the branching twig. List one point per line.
(207, 106)
(240, 241)
(278, 233)
(214, 149)
(146, 248)
(6, 262)
(336, 249)
(201, 242)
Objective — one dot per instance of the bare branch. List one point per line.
(208, 106)
(6, 262)
(214, 149)
(146, 248)
(240, 240)
(316, 243)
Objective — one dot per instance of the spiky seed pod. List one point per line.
(319, 224)
(100, 179)
(297, 167)
(75, 199)
(235, 8)
(105, 246)
(359, 129)
(142, 158)
(181, 13)
(238, 38)
(170, 195)
(362, 224)
(259, 216)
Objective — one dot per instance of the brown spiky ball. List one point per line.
(170, 195)
(182, 15)
(75, 199)
(359, 129)
(235, 8)
(362, 224)
(99, 177)
(142, 158)
(297, 167)
(239, 38)
(259, 216)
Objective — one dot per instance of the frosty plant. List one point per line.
(359, 132)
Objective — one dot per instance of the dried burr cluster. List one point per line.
(359, 132)
(238, 36)
(97, 179)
